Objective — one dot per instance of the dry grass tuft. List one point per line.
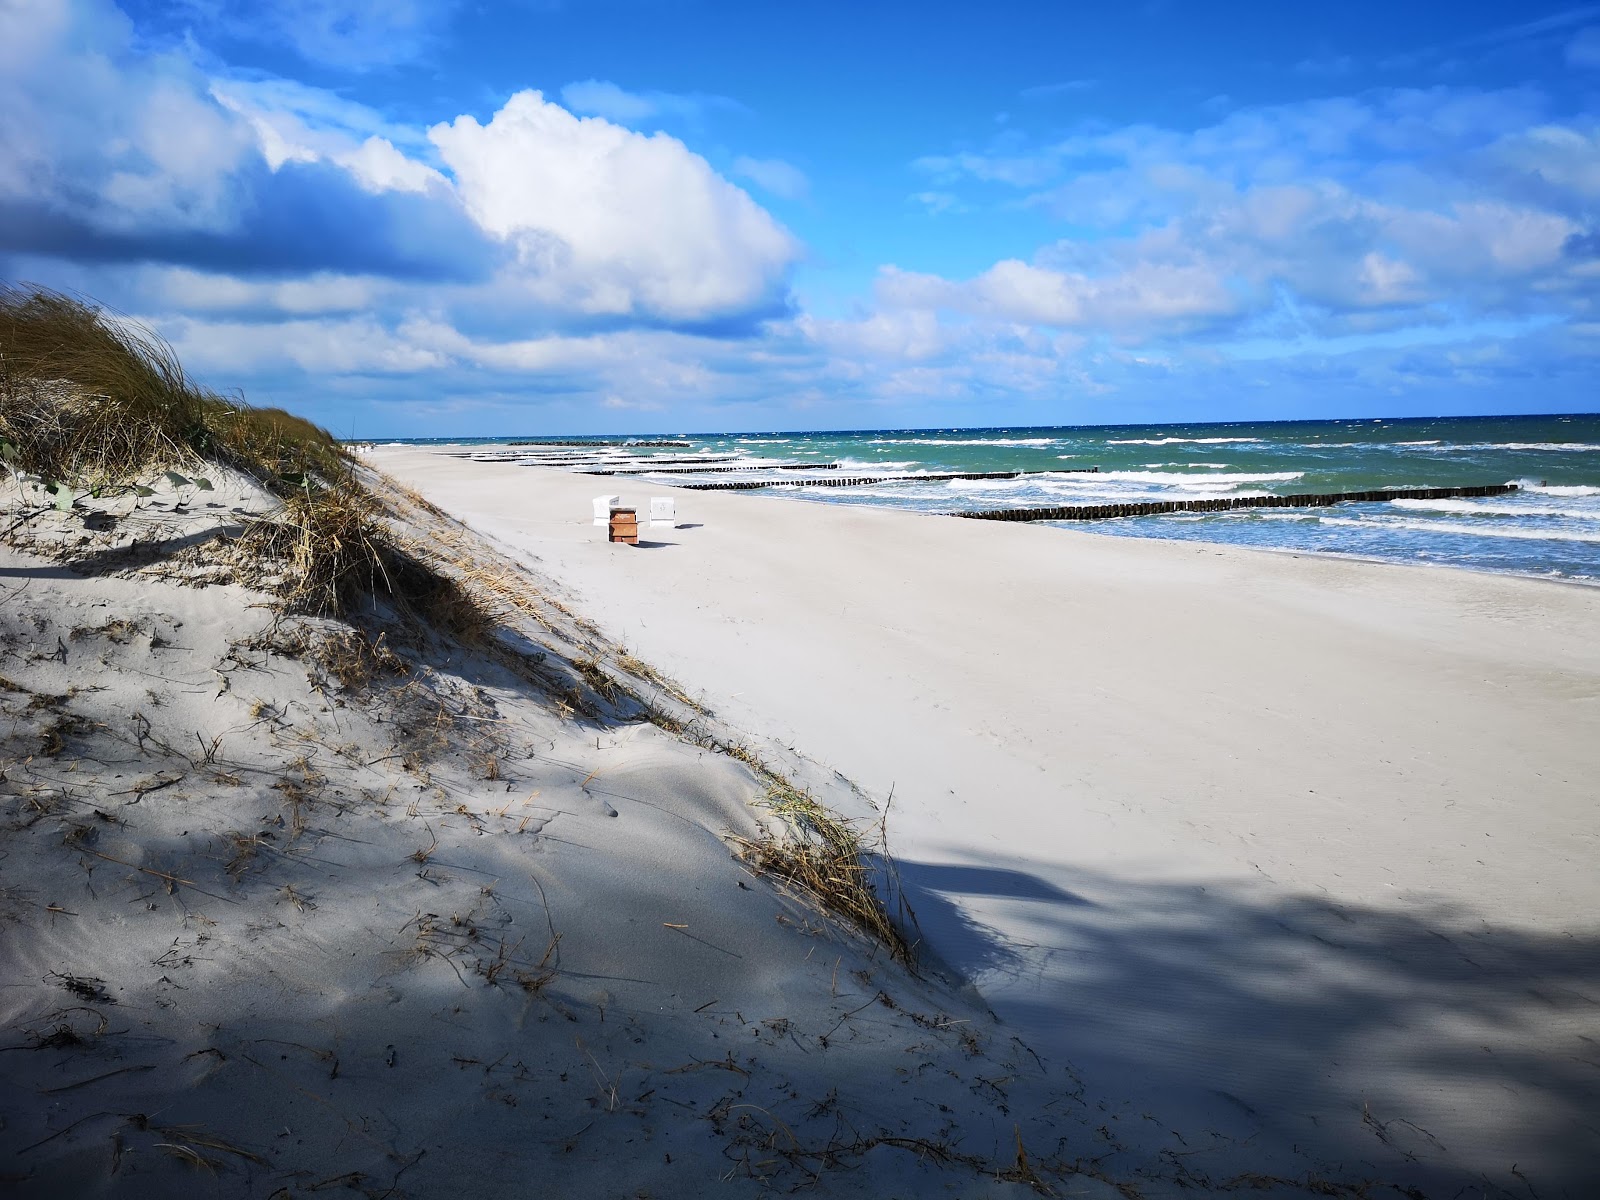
(338, 556)
(355, 659)
(824, 857)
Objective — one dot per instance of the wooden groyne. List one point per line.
(1150, 508)
(614, 466)
(642, 470)
(750, 485)
(606, 445)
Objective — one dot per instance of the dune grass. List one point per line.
(90, 400)
(93, 400)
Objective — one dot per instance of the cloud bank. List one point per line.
(569, 259)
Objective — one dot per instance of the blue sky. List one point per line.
(414, 219)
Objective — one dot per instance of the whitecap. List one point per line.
(1174, 441)
(965, 441)
(1566, 447)
(1185, 480)
(1547, 489)
(1474, 530)
(1475, 508)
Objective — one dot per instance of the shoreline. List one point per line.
(1337, 555)
(1061, 860)
(1288, 470)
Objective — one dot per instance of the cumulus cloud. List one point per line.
(611, 221)
(340, 346)
(908, 336)
(115, 156)
(1411, 202)
(297, 243)
(1142, 297)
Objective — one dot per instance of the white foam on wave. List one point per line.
(1174, 441)
(988, 485)
(1428, 442)
(1022, 492)
(1474, 530)
(1546, 489)
(899, 494)
(857, 464)
(1477, 508)
(762, 442)
(1185, 480)
(1566, 447)
(965, 441)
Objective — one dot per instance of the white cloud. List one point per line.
(773, 175)
(277, 225)
(1143, 298)
(611, 221)
(296, 123)
(112, 135)
(1407, 203)
(901, 336)
(343, 346)
(181, 289)
(112, 154)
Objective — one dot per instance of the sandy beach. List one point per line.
(1285, 858)
(1091, 690)
(402, 835)
(296, 902)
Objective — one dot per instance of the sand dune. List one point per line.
(286, 910)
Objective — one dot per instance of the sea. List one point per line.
(1549, 527)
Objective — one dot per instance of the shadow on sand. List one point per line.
(1420, 1045)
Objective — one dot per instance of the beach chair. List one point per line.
(603, 506)
(624, 526)
(663, 512)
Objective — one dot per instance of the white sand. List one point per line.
(1279, 851)
(266, 934)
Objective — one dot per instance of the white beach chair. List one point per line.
(602, 508)
(663, 511)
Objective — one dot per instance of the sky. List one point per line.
(405, 218)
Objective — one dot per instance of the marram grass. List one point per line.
(93, 400)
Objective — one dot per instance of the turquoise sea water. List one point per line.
(1551, 527)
